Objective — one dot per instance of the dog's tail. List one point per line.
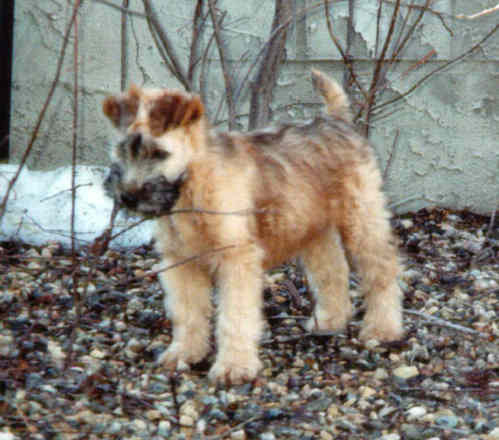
(336, 100)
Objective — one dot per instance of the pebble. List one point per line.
(393, 436)
(381, 374)
(405, 372)
(164, 428)
(238, 435)
(447, 421)
(494, 434)
(415, 413)
(98, 354)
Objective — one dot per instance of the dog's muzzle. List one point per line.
(154, 198)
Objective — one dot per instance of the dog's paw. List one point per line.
(333, 321)
(386, 331)
(234, 372)
(178, 357)
(324, 325)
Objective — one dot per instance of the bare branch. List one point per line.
(266, 77)
(346, 58)
(377, 69)
(433, 320)
(438, 69)
(479, 14)
(124, 45)
(41, 116)
(121, 8)
(198, 23)
(174, 64)
(229, 93)
(390, 157)
(273, 35)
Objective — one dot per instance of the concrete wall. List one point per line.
(447, 148)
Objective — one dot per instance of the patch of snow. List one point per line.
(39, 208)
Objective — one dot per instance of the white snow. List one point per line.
(39, 208)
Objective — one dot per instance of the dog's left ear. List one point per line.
(174, 110)
(121, 110)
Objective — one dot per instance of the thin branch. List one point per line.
(74, 271)
(411, 31)
(346, 59)
(124, 45)
(433, 320)
(182, 262)
(45, 107)
(390, 157)
(378, 27)
(274, 34)
(377, 69)
(479, 14)
(426, 8)
(263, 85)
(204, 63)
(229, 91)
(175, 66)
(438, 69)
(121, 8)
(197, 27)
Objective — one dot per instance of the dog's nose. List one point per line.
(129, 200)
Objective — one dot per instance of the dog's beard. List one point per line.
(155, 198)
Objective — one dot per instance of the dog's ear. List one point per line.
(121, 110)
(174, 110)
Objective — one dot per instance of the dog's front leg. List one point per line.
(239, 322)
(187, 290)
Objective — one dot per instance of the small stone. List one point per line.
(367, 392)
(114, 428)
(392, 436)
(120, 326)
(267, 436)
(494, 434)
(371, 344)
(415, 413)
(98, 354)
(7, 435)
(381, 374)
(58, 356)
(412, 432)
(324, 435)
(405, 372)
(238, 435)
(186, 420)
(153, 415)
(333, 412)
(164, 428)
(447, 421)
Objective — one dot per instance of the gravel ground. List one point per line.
(77, 360)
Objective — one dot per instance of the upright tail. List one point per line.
(336, 100)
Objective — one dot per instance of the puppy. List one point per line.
(246, 202)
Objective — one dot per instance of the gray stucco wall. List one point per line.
(447, 130)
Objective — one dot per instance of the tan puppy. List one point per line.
(310, 190)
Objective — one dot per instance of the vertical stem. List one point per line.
(229, 92)
(124, 45)
(350, 36)
(266, 77)
(74, 259)
(377, 69)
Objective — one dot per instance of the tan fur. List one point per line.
(310, 190)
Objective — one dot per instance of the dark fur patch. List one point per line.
(121, 111)
(172, 111)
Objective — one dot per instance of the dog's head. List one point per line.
(161, 135)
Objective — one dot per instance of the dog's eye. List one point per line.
(157, 154)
